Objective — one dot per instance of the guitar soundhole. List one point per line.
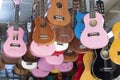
(105, 55)
(118, 52)
(59, 5)
(43, 24)
(93, 23)
(93, 34)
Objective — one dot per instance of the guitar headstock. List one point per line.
(76, 5)
(17, 2)
(100, 6)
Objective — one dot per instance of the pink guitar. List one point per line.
(42, 50)
(44, 65)
(94, 36)
(55, 59)
(64, 67)
(14, 47)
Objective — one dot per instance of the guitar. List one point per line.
(42, 34)
(14, 42)
(79, 27)
(77, 46)
(58, 13)
(2, 64)
(103, 65)
(87, 59)
(28, 60)
(59, 46)
(70, 56)
(55, 59)
(80, 67)
(64, 67)
(94, 33)
(115, 49)
(64, 34)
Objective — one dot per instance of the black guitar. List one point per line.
(102, 67)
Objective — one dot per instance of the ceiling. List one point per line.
(7, 15)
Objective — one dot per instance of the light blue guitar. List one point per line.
(79, 17)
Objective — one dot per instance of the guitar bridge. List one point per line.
(44, 37)
(15, 45)
(59, 18)
(93, 34)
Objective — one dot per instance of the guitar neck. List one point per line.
(42, 8)
(83, 6)
(16, 17)
(92, 9)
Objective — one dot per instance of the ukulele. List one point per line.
(2, 64)
(55, 59)
(79, 27)
(28, 60)
(59, 46)
(94, 32)
(64, 34)
(42, 34)
(115, 49)
(58, 13)
(15, 47)
(80, 67)
(87, 59)
(102, 67)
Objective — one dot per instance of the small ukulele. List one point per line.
(15, 47)
(94, 32)
(79, 27)
(58, 13)
(42, 34)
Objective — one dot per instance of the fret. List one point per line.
(92, 9)
(16, 17)
(83, 6)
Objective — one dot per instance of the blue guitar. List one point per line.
(79, 17)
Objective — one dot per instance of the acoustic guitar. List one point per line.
(87, 60)
(79, 27)
(103, 65)
(14, 46)
(2, 64)
(58, 13)
(42, 34)
(64, 34)
(94, 32)
(115, 49)
(55, 59)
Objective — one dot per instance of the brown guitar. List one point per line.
(58, 13)
(77, 46)
(2, 64)
(70, 55)
(64, 34)
(42, 34)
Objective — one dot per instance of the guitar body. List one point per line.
(111, 71)
(42, 50)
(87, 59)
(94, 33)
(80, 68)
(64, 34)
(55, 59)
(28, 65)
(14, 47)
(115, 48)
(64, 67)
(79, 27)
(42, 33)
(58, 13)
(60, 46)
(77, 46)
